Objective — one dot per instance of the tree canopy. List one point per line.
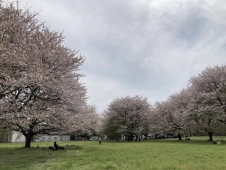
(126, 116)
(199, 108)
(40, 89)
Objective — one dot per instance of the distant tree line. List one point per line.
(198, 109)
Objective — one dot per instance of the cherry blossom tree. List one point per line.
(90, 122)
(172, 113)
(127, 116)
(203, 116)
(208, 106)
(158, 122)
(40, 91)
(210, 85)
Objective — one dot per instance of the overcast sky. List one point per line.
(138, 47)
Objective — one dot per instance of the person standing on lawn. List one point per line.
(99, 140)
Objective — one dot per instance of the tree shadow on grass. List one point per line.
(68, 147)
(74, 147)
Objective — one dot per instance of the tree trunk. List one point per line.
(28, 140)
(179, 136)
(128, 137)
(210, 136)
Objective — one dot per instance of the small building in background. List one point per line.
(48, 138)
(16, 137)
(19, 137)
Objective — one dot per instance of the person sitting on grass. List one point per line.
(55, 145)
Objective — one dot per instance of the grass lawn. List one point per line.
(165, 154)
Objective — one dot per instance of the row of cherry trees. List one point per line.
(40, 89)
(201, 107)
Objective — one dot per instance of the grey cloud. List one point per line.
(142, 47)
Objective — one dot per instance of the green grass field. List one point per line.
(166, 154)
